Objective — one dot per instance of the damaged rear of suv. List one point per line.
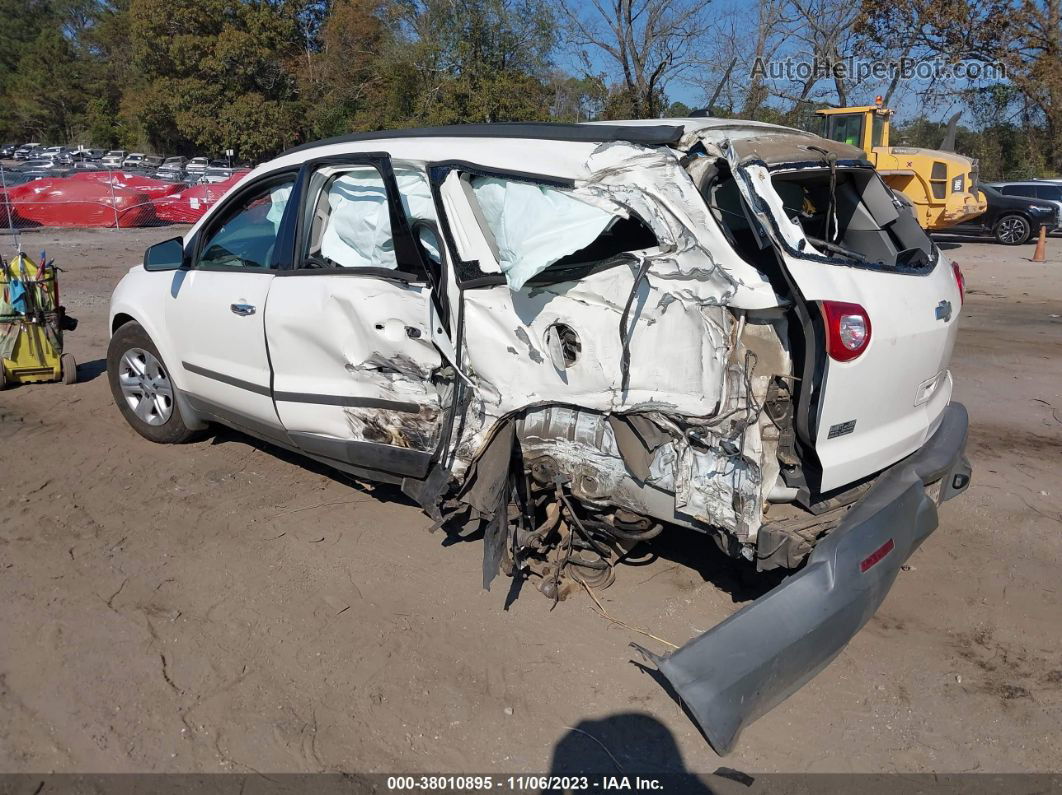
(576, 337)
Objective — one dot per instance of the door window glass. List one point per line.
(246, 236)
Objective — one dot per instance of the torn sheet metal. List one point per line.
(679, 347)
(653, 184)
(679, 325)
(670, 310)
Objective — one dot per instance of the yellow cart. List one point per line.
(32, 323)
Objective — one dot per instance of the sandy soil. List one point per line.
(222, 606)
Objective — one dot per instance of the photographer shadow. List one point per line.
(630, 744)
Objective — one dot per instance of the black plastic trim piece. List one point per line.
(647, 135)
(396, 460)
(376, 273)
(211, 410)
(227, 379)
(346, 400)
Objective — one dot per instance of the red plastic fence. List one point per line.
(107, 199)
(188, 206)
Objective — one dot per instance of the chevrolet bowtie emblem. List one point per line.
(943, 311)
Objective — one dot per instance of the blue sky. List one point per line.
(907, 101)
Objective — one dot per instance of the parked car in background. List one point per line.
(1011, 220)
(12, 178)
(43, 167)
(94, 155)
(88, 165)
(58, 154)
(8, 151)
(197, 165)
(215, 174)
(26, 151)
(150, 163)
(172, 168)
(1044, 191)
(133, 160)
(114, 158)
(37, 163)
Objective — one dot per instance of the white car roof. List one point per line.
(559, 150)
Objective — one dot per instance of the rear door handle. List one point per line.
(242, 309)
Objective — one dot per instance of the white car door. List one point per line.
(356, 376)
(217, 307)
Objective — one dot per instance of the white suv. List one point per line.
(576, 337)
(134, 160)
(114, 158)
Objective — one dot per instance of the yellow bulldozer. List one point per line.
(941, 185)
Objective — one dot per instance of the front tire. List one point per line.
(1012, 230)
(142, 388)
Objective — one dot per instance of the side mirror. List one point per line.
(165, 256)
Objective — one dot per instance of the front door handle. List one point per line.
(242, 309)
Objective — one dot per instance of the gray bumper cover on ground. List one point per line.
(758, 657)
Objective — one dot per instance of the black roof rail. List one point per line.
(648, 135)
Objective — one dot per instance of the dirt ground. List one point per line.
(223, 606)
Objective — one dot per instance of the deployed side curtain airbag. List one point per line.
(535, 226)
(417, 201)
(358, 230)
(279, 201)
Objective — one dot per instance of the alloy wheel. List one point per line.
(146, 386)
(1013, 229)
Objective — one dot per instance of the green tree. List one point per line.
(21, 22)
(214, 74)
(677, 110)
(1023, 36)
(46, 95)
(345, 74)
(483, 60)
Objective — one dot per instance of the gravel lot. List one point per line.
(223, 606)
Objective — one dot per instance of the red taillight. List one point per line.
(961, 281)
(847, 330)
